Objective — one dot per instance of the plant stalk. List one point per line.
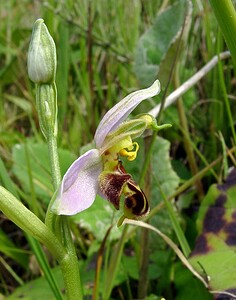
(144, 239)
(59, 224)
(113, 266)
(69, 265)
(187, 139)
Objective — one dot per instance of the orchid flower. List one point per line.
(100, 171)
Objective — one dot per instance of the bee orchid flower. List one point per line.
(100, 171)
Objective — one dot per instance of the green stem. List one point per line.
(144, 264)
(44, 265)
(177, 228)
(147, 159)
(53, 220)
(71, 275)
(187, 138)
(144, 237)
(226, 100)
(226, 17)
(162, 107)
(10, 270)
(69, 265)
(30, 223)
(113, 267)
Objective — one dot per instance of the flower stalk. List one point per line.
(42, 70)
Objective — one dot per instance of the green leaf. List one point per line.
(37, 289)
(129, 264)
(164, 181)
(153, 297)
(5, 179)
(164, 178)
(40, 289)
(8, 248)
(156, 47)
(98, 218)
(214, 253)
(21, 103)
(39, 167)
(43, 263)
(159, 265)
(187, 286)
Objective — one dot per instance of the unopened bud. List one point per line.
(41, 55)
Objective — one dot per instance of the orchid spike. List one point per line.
(100, 171)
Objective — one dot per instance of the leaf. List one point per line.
(44, 265)
(153, 297)
(97, 219)
(164, 181)
(164, 178)
(5, 179)
(214, 253)
(156, 48)
(37, 289)
(8, 248)
(159, 266)
(129, 264)
(20, 102)
(40, 289)
(187, 286)
(37, 165)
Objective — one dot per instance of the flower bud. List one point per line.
(41, 55)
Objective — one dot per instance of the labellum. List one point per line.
(136, 204)
(115, 184)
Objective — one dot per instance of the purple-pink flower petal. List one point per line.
(121, 110)
(80, 184)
